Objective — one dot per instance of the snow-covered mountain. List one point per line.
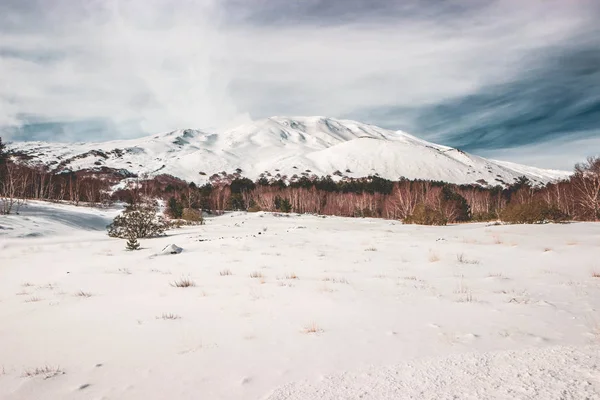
(286, 146)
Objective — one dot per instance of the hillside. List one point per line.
(288, 147)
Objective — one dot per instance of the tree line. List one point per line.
(416, 201)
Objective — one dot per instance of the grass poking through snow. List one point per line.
(433, 257)
(335, 280)
(461, 258)
(169, 316)
(312, 328)
(46, 372)
(183, 283)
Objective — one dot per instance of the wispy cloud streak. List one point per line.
(478, 74)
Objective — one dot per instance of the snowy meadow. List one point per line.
(285, 306)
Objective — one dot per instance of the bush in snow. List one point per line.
(139, 221)
(535, 212)
(426, 215)
(192, 215)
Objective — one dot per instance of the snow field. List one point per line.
(297, 307)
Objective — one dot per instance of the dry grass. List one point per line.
(461, 258)
(225, 272)
(33, 299)
(22, 293)
(125, 271)
(335, 280)
(312, 328)
(497, 239)
(81, 293)
(371, 249)
(495, 275)
(410, 278)
(519, 300)
(27, 284)
(48, 286)
(256, 274)
(183, 283)
(46, 372)
(571, 243)
(547, 249)
(595, 274)
(169, 316)
(158, 271)
(467, 298)
(433, 257)
(325, 289)
(596, 333)
(291, 276)
(462, 289)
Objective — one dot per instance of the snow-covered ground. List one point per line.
(297, 307)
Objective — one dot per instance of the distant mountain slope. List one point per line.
(285, 146)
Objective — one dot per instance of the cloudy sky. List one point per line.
(511, 79)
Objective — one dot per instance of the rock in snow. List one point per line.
(171, 249)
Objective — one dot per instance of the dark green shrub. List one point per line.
(236, 202)
(282, 204)
(175, 208)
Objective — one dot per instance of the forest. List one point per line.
(413, 201)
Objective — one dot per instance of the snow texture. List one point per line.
(297, 307)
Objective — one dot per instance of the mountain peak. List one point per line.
(289, 146)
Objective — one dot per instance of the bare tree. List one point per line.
(12, 184)
(586, 182)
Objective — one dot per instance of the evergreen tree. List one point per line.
(282, 204)
(175, 208)
(3, 154)
(132, 243)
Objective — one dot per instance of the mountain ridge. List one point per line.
(289, 147)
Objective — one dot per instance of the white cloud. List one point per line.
(562, 153)
(150, 66)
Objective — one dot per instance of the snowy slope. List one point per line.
(285, 146)
(310, 308)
